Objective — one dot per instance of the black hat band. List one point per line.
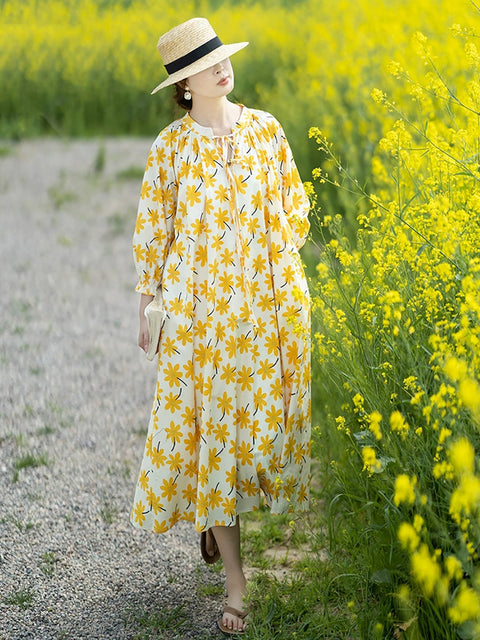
(193, 56)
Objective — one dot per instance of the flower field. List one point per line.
(397, 337)
(381, 103)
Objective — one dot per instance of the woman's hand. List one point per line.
(143, 337)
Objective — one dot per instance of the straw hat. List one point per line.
(192, 47)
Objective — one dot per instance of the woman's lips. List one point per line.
(224, 80)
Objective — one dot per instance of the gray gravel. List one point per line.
(75, 397)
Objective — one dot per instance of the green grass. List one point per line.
(23, 598)
(28, 461)
(154, 625)
(47, 565)
(17, 523)
(108, 513)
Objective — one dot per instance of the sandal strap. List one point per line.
(235, 612)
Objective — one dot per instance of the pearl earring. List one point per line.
(187, 95)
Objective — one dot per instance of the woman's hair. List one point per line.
(178, 96)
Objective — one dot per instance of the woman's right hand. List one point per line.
(143, 337)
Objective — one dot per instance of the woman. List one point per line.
(221, 217)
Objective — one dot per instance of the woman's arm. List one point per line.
(143, 337)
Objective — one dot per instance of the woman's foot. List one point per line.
(234, 615)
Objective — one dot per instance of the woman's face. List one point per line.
(214, 82)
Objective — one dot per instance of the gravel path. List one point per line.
(74, 400)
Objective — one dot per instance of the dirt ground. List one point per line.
(74, 405)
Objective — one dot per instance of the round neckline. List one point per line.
(208, 131)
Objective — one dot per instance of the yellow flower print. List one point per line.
(259, 399)
(274, 418)
(154, 501)
(210, 157)
(231, 476)
(240, 183)
(299, 455)
(173, 402)
(266, 369)
(158, 457)
(175, 517)
(202, 504)
(229, 505)
(191, 442)
(266, 445)
(242, 418)
(151, 256)
(214, 498)
(221, 194)
(145, 192)
(172, 273)
(276, 389)
(223, 306)
(188, 417)
(173, 432)
(200, 329)
(184, 334)
(245, 378)
(254, 429)
(172, 374)
(139, 252)
(266, 303)
(143, 480)
(193, 195)
(175, 462)
(170, 346)
(203, 354)
(160, 155)
(231, 346)
(138, 513)
(160, 527)
(229, 374)
(168, 488)
(213, 460)
(220, 432)
(245, 453)
(191, 469)
(249, 486)
(224, 403)
(190, 494)
(140, 223)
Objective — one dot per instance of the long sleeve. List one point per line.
(295, 201)
(156, 214)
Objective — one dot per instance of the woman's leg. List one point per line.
(228, 541)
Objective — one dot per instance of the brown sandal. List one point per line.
(234, 612)
(209, 559)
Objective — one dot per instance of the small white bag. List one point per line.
(156, 316)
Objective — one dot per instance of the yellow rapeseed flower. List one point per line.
(462, 456)
(404, 489)
(408, 537)
(469, 392)
(426, 570)
(453, 567)
(370, 462)
(398, 424)
(455, 369)
(466, 606)
(374, 424)
(465, 499)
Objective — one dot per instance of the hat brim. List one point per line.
(223, 52)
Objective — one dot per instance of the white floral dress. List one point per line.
(219, 225)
